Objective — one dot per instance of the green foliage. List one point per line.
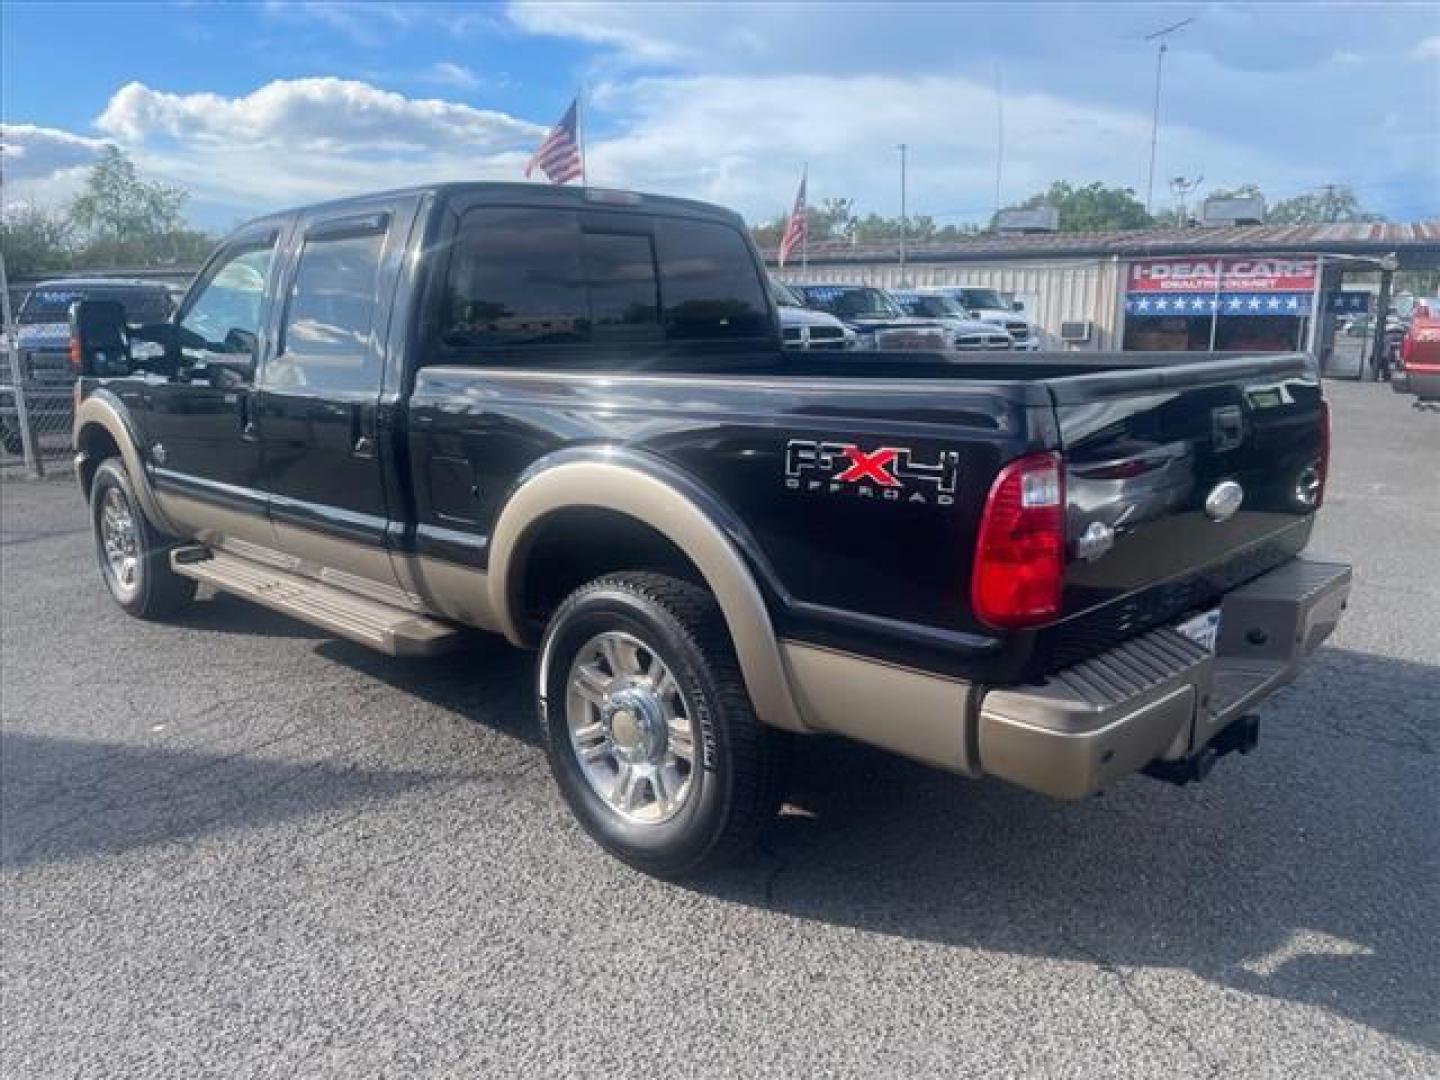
(35, 240)
(1331, 203)
(1092, 208)
(835, 220)
(118, 220)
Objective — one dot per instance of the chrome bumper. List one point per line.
(1160, 697)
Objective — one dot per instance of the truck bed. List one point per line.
(1145, 438)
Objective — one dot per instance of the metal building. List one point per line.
(1248, 286)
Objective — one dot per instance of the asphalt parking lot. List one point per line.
(235, 847)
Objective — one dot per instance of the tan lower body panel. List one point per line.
(914, 713)
(211, 524)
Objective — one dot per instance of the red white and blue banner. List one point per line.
(1225, 303)
(1205, 285)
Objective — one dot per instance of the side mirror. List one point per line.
(1017, 305)
(99, 340)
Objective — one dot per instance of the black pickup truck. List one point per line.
(565, 416)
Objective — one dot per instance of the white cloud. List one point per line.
(1346, 56)
(28, 152)
(309, 114)
(1426, 48)
(43, 165)
(457, 76)
(743, 141)
(291, 141)
(665, 34)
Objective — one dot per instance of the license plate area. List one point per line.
(1203, 629)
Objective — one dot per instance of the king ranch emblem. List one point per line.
(889, 473)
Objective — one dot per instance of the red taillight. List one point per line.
(77, 363)
(1020, 556)
(1323, 465)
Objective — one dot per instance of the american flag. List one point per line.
(559, 155)
(797, 228)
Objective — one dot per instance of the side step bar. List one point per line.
(389, 629)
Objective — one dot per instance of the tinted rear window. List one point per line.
(47, 305)
(544, 277)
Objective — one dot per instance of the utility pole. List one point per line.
(904, 152)
(1160, 36)
(999, 135)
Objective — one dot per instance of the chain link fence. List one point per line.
(37, 399)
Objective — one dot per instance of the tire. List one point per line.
(731, 787)
(138, 575)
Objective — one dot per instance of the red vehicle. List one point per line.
(1420, 354)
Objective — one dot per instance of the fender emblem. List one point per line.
(1224, 500)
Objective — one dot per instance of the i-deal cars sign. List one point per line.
(1199, 275)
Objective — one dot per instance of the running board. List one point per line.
(391, 630)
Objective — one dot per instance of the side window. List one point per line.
(711, 287)
(515, 279)
(325, 339)
(226, 312)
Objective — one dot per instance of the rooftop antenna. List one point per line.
(1160, 36)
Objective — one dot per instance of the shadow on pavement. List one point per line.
(1310, 879)
(134, 796)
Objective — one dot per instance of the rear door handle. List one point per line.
(361, 443)
(248, 431)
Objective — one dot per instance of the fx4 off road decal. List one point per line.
(892, 473)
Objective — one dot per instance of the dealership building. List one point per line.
(1250, 287)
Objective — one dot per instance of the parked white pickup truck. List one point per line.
(987, 306)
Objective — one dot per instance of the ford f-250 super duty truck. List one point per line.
(565, 416)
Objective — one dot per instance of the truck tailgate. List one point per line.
(1183, 482)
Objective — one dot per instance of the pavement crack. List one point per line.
(1133, 995)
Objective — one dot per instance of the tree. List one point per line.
(35, 240)
(127, 220)
(1331, 203)
(1092, 208)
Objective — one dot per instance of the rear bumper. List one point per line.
(1160, 697)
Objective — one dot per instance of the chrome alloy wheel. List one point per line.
(120, 540)
(631, 728)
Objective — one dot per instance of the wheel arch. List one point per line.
(103, 429)
(627, 486)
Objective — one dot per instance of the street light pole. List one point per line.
(1158, 35)
(904, 151)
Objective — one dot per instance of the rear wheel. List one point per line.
(134, 556)
(649, 731)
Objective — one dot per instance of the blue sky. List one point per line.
(254, 106)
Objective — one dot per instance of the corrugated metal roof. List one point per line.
(1349, 238)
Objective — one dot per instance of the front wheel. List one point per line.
(648, 728)
(134, 556)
